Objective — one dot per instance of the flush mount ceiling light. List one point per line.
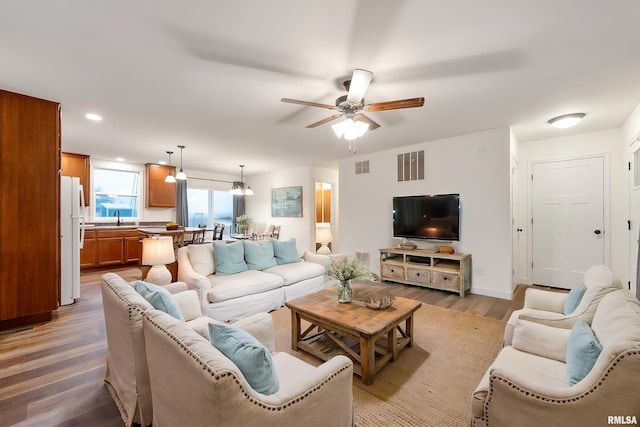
(566, 121)
(94, 117)
(181, 175)
(239, 187)
(170, 177)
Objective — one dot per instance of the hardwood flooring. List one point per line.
(52, 374)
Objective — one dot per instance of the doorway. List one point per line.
(568, 219)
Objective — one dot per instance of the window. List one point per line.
(207, 207)
(116, 192)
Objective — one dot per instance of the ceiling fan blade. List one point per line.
(323, 121)
(396, 105)
(308, 103)
(362, 118)
(359, 84)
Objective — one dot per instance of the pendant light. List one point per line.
(170, 177)
(239, 188)
(181, 175)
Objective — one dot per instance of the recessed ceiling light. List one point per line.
(120, 159)
(94, 117)
(566, 121)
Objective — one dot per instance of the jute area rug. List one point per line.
(430, 383)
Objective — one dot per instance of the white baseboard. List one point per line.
(491, 293)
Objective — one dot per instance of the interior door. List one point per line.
(634, 216)
(516, 229)
(568, 234)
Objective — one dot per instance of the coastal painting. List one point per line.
(286, 201)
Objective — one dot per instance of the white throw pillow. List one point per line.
(202, 260)
(189, 304)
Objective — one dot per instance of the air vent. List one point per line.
(15, 331)
(411, 166)
(362, 167)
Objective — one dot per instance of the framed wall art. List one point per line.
(286, 201)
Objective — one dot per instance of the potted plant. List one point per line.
(242, 224)
(345, 270)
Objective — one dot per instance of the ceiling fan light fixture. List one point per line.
(567, 120)
(350, 129)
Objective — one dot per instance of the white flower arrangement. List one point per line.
(344, 269)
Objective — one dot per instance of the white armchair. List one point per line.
(193, 383)
(547, 307)
(528, 382)
(127, 376)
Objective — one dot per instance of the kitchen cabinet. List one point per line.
(159, 194)
(88, 254)
(30, 200)
(117, 247)
(78, 165)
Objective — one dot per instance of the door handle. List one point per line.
(597, 231)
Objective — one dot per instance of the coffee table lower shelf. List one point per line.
(327, 344)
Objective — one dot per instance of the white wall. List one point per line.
(609, 142)
(475, 165)
(258, 206)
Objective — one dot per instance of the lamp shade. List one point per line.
(158, 251)
(323, 235)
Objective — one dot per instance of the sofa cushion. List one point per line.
(202, 260)
(259, 255)
(189, 304)
(573, 299)
(159, 298)
(583, 350)
(245, 283)
(229, 258)
(252, 358)
(286, 251)
(296, 272)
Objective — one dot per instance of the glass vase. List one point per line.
(344, 291)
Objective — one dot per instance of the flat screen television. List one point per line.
(434, 217)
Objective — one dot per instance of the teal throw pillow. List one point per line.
(159, 298)
(229, 258)
(583, 350)
(259, 255)
(573, 300)
(252, 358)
(286, 251)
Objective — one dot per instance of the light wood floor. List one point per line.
(52, 374)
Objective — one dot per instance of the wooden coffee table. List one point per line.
(365, 335)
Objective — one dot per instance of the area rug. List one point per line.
(430, 383)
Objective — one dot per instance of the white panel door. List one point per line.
(634, 217)
(567, 220)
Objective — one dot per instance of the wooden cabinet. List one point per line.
(449, 272)
(159, 194)
(78, 165)
(30, 200)
(116, 247)
(89, 254)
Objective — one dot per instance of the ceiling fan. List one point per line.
(352, 105)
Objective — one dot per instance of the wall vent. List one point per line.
(362, 167)
(411, 166)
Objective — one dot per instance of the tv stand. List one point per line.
(426, 268)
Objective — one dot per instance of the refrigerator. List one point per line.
(71, 237)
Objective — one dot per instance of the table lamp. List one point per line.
(157, 251)
(323, 236)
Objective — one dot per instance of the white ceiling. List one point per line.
(209, 74)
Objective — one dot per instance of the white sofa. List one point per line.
(195, 384)
(238, 295)
(528, 383)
